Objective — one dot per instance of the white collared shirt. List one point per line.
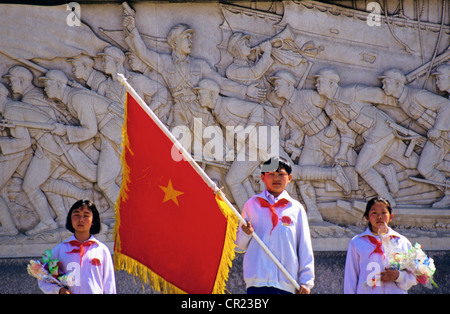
(362, 267)
(289, 241)
(94, 274)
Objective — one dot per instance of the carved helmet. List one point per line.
(394, 74)
(329, 73)
(114, 52)
(176, 32)
(283, 75)
(20, 72)
(442, 70)
(233, 47)
(55, 75)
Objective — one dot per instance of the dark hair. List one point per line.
(95, 228)
(276, 163)
(373, 201)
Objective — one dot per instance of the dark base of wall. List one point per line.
(329, 276)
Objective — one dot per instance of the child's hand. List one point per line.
(248, 228)
(64, 291)
(389, 275)
(303, 290)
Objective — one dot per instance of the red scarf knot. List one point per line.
(81, 247)
(378, 244)
(280, 204)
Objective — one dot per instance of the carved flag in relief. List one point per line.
(43, 32)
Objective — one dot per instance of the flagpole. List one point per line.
(200, 171)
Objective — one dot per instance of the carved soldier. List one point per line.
(21, 83)
(83, 70)
(12, 152)
(112, 62)
(153, 93)
(432, 113)
(44, 161)
(304, 114)
(243, 69)
(442, 74)
(233, 112)
(246, 71)
(181, 71)
(99, 117)
(144, 78)
(353, 116)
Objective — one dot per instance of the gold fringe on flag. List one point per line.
(147, 276)
(228, 253)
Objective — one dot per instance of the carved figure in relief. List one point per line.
(38, 113)
(12, 152)
(442, 74)
(112, 63)
(253, 65)
(243, 69)
(98, 117)
(308, 123)
(353, 115)
(152, 92)
(21, 83)
(45, 158)
(181, 71)
(244, 117)
(162, 103)
(432, 113)
(83, 70)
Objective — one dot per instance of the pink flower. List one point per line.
(95, 262)
(286, 221)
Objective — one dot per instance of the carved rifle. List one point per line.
(26, 124)
(415, 139)
(42, 126)
(445, 184)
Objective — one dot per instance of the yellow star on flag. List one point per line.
(170, 193)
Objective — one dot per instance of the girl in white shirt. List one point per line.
(366, 271)
(88, 257)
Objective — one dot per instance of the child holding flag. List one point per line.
(91, 259)
(365, 270)
(281, 222)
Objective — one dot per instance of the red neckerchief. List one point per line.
(80, 247)
(280, 204)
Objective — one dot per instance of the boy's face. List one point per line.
(276, 181)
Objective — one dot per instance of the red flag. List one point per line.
(171, 229)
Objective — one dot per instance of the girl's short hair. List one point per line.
(377, 200)
(96, 224)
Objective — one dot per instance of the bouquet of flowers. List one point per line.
(47, 269)
(414, 261)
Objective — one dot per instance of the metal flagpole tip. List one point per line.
(121, 78)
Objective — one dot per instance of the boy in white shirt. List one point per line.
(281, 223)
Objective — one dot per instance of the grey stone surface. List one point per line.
(329, 276)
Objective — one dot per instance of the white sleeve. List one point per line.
(351, 273)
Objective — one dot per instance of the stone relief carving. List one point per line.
(354, 122)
